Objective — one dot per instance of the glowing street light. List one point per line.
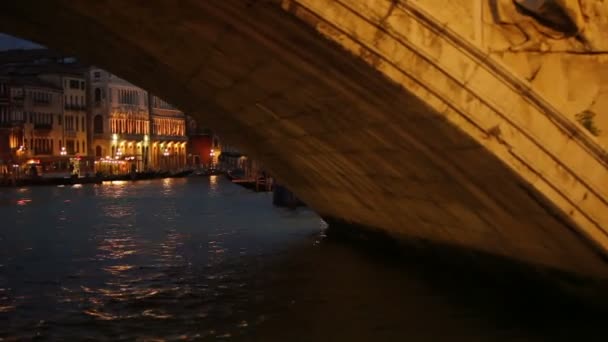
(63, 152)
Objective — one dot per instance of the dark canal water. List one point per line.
(203, 259)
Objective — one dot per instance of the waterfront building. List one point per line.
(204, 146)
(74, 119)
(104, 121)
(60, 143)
(10, 130)
(37, 114)
(133, 131)
(119, 122)
(168, 137)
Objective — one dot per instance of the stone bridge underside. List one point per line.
(378, 113)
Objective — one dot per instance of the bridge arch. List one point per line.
(373, 112)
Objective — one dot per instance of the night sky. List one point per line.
(9, 42)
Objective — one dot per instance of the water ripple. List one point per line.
(157, 260)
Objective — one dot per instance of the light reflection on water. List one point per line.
(203, 259)
(106, 261)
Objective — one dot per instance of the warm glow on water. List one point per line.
(159, 258)
(203, 259)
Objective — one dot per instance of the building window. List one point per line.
(98, 124)
(74, 84)
(98, 151)
(97, 74)
(82, 85)
(82, 123)
(69, 145)
(97, 94)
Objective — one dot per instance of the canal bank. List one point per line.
(42, 181)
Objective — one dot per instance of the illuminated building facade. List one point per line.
(43, 113)
(204, 148)
(132, 131)
(74, 110)
(37, 138)
(10, 130)
(119, 123)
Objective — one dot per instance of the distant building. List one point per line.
(119, 122)
(204, 146)
(168, 136)
(10, 130)
(60, 115)
(131, 129)
(53, 131)
(73, 87)
(37, 113)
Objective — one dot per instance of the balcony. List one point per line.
(101, 135)
(12, 123)
(75, 107)
(38, 152)
(70, 133)
(43, 126)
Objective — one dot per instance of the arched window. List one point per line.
(98, 124)
(97, 94)
(98, 151)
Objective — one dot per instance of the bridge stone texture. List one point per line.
(471, 123)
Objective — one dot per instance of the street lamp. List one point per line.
(212, 158)
(63, 152)
(166, 155)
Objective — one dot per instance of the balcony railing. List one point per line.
(43, 151)
(44, 126)
(75, 107)
(12, 123)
